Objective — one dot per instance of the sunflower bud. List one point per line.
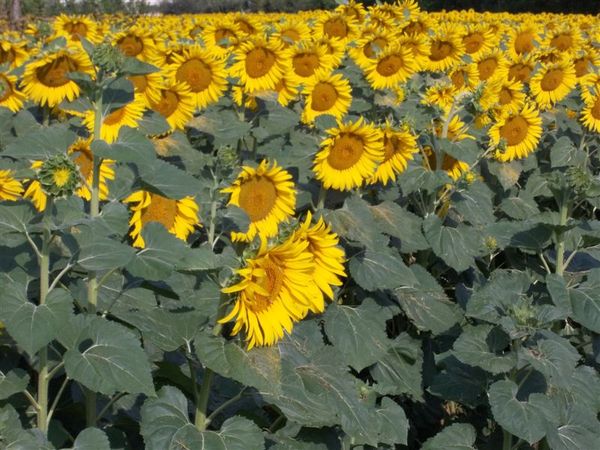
(59, 176)
(227, 157)
(579, 180)
(108, 58)
(490, 243)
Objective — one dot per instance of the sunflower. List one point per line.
(457, 129)
(201, 72)
(442, 95)
(492, 63)
(147, 86)
(46, 80)
(523, 39)
(590, 86)
(391, 67)
(590, 115)
(290, 32)
(328, 257)
(478, 40)
(76, 27)
(586, 61)
(84, 158)
(10, 188)
(418, 25)
(399, 145)
(268, 197)
(452, 166)
(13, 53)
(464, 77)
(176, 105)
(552, 83)
(564, 39)
(521, 68)
(368, 46)
(520, 130)
(326, 94)
(307, 58)
(502, 92)
(179, 217)
(349, 155)
(275, 289)
(445, 49)
(126, 116)
(248, 100)
(335, 25)
(220, 38)
(352, 9)
(247, 24)
(137, 43)
(286, 91)
(260, 64)
(335, 48)
(10, 96)
(418, 44)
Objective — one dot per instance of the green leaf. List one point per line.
(458, 436)
(474, 204)
(466, 150)
(106, 357)
(133, 66)
(577, 429)
(354, 222)
(99, 253)
(168, 180)
(224, 126)
(520, 208)
(42, 144)
(34, 326)
(585, 302)
(358, 333)
(564, 153)
(14, 437)
(481, 346)
(279, 119)
(417, 178)
(380, 270)
(16, 216)
(91, 439)
(426, 304)
(131, 147)
(527, 235)
(524, 419)
(455, 246)
(160, 255)
(13, 382)
(460, 383)
(396, 221)
(553, 356)
(399, 371)
(165, 426)
(153, 124)
(115, 95)
(392, 423)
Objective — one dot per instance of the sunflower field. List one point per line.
(349, 229)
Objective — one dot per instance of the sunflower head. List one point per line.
(109, 58)
(59, 176)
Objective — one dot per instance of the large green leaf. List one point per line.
(14, 437)
(165, 426)
(396, 221)
(115, 95)
(458, 436)
(91, 439)
(168, 180)
(99, 253)
(131, 146)
(482, 346)
(106, 357)
(455, 246)
(15, 217)
(13, 382)
(358, 333)
(474, 204)
(42, 144)
(380, 270)
(576, 428)
(460, 382)
(585, 302)
(33, 326)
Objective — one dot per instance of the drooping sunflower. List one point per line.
(445, 49)
(76, 27)
(247, 24)
(126, 116)
(202, 73)
(308, 58)
(335, 48)
(275, 289)
(418, 44)
(353, 9)
(418, 25)
(268, 197)
(260, 64)
(590, 114)
(326, 94)
(176, 105)
(328, 257)
(46, 81)
(179, 217)
(10, 96)
(521, 131)
(138, 42)
(84, 158)
(391, 67)
(349, 156)
(13, 53)
(457, 129)
(399, 145)
(10, 188)
(552, 82)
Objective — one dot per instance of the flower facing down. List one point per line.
(10, 188)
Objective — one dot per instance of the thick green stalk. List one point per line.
(507, 440)
(43, 379)
(563, 210)
(321, 198)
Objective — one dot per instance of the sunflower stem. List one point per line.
(563, 210)
(506, 440)
(321, 198)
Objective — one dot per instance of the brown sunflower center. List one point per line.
(505, 96)
(131, 45)
(85, 161)
(391, 146)
(473, 42)
(595, 110)
(168, 103)
(54, 74)
(7, 56)
(371, 48)
(222, 34)
(336, 27)
(413, 28)
(552, 80)
(458, 78)
(196, 73)
(514, 130)
(487, 67)
(272, 283)
(139, 82)
(76, 29)
(5, 88)
(324, 96)
(440, 50)
(259, 61)
(161, 209)
(305, 64)
(291, 34)
(346, 151)
(524, 42)
(520, 72)
(244, 26)
(582, 66)
(562, 42)
(390, 65)
(257, 197)
(115, 117)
